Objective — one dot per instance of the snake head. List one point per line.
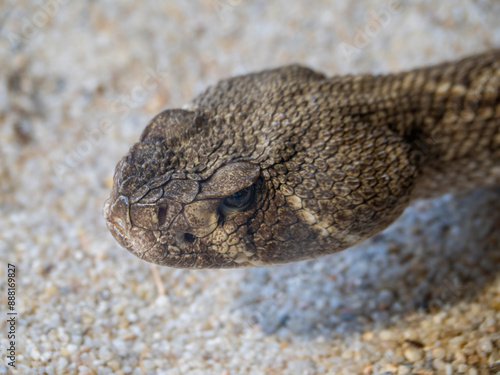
(164, 212)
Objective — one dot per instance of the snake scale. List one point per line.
(288, 164)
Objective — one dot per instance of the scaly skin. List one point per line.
(330, 161)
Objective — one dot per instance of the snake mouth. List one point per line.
(114, 222)
(118, 231)
(116, 225)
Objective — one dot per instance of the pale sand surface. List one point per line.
(423, 297)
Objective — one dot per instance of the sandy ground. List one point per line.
(79, 81)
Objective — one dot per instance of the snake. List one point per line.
(288, 164)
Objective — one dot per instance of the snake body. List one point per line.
(287, 164)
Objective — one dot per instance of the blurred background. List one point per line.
(78, 83)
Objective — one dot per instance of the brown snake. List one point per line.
(287, 164)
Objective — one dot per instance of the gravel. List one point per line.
(78, 85)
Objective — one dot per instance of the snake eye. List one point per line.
(239, 200)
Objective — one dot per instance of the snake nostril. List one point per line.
(189, 237)
(162, 215)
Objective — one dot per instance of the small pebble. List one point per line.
(413, 354)
(35, 354)
(387, 335)
(403, 370)
(438, 353)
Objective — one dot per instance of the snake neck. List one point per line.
(450, 115)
